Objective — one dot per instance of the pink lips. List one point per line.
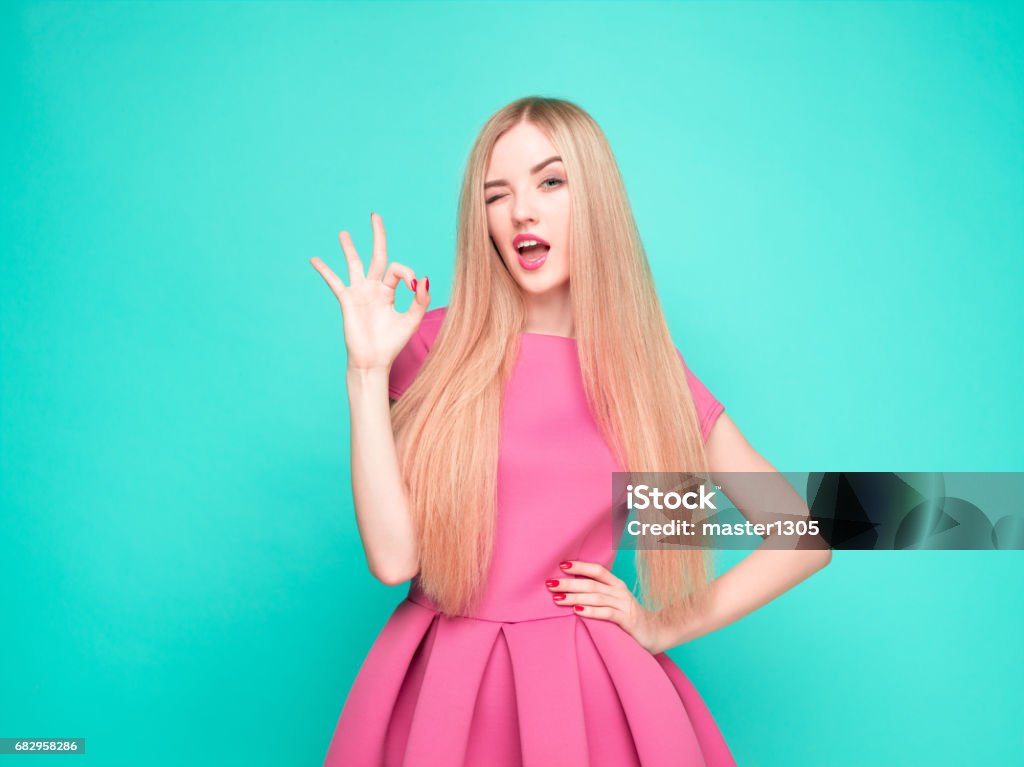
(535, 263)
(527, 236)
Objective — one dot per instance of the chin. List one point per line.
(539, 286)
(545, 279)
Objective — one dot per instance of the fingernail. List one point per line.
(414, 286)
(427, 281)
(565, 565)
(559, 597)
(551, 584)
(578, 608)
(371, 215)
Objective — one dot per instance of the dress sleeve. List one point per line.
(407, 364)
(708, 408)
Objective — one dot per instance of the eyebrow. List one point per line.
(535, 169)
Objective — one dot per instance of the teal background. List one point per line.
(830, 196)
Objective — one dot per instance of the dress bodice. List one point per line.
(554, 481)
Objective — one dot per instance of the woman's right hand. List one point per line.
(375, 332)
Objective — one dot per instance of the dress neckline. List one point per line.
(546, 335)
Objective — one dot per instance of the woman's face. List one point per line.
(525, 193)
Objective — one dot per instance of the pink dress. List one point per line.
(526, 681)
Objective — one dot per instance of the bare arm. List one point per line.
(763, 575)
(382, 510)
(374, 335)
(766, 572)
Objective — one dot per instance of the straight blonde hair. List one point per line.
(446, 424)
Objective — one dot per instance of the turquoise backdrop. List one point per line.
(830, 195)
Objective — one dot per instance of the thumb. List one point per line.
(420, 302)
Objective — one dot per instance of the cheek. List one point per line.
(495, 231)
(564, 217)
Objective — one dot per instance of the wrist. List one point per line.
(663, 640)
(377, 371)
(685, 632)
(366, 380)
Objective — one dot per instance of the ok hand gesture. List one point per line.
(375, 332)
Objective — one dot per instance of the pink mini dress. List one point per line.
(524, 681)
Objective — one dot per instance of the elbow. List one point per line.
(826, 558)
(394, 576)
(391, 578)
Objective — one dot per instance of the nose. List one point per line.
(523, 212)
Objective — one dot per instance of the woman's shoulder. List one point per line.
(707, 404)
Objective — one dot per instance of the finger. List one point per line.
(420, 302)
(592, 598)
(355, 266)
(577, 586)
(601, 613)
(332, 280)
(396, 273)
(379, 258)
(592, 570)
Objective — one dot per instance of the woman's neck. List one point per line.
(550, 315)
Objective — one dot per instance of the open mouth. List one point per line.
(532, 258)
(534, 252)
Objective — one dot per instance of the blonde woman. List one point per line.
(486, 478)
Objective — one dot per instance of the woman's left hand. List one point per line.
(599, 594)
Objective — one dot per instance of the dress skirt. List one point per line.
(565, 691)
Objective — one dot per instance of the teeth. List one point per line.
(526, 244)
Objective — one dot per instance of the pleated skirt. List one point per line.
(566, 691)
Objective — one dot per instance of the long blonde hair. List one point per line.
(446, 424)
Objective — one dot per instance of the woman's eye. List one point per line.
(558, 182)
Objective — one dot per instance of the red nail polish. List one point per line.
(559, 597)
(414, 286)
(565, 565)
(552, 583)
(579, 608)
(427, 281)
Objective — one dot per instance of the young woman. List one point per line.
(486, 479)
